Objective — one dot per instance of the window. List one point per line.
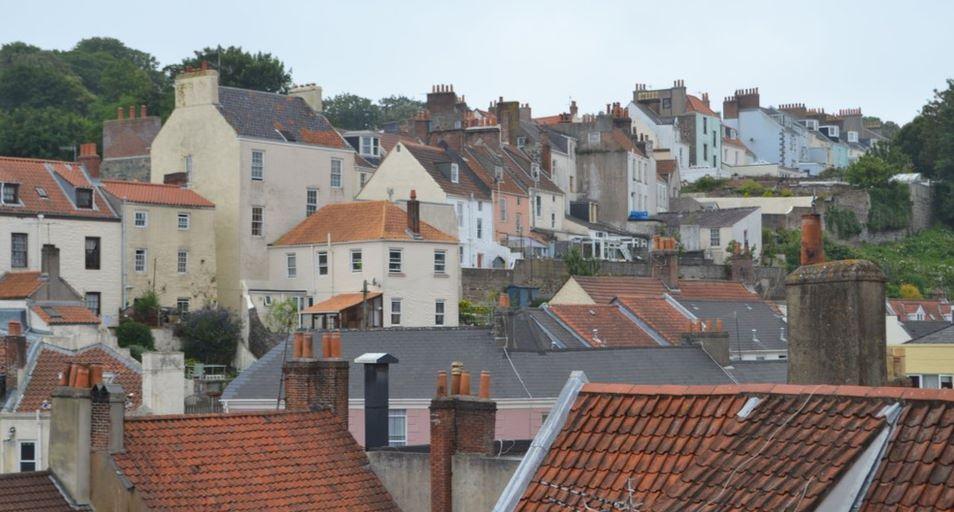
(440, 261)
(139, 261)
(183, 219)
(518, 221)
(291, 262)
(394, 261)
(258, 165)
(369, 146)
(552, 220)
(945, 381)
(460, 214)
(182, 305)
(268, 300)
(538, 204)
(91, 299)
(535, 171)
(258, 218)
(84, 198)
(714, 237)
(182, 261)
(480, 206)
(521, 142)
(455, 173)
(667, 103)
(439, 312)
(40, 191)
(311, 200)
(141, 219)
(322, 263)
(27, 452)
(18, 250)
(915, 380)
(705, 152)
(335, 173)
(593, 137)
(397, 427)
(480, 228)
(395, 311)
(705, 125)
(503, 209)
(356, 260)
(11, 193)
(92, 253)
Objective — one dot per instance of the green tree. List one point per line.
(136, 337)
(282, 316)
(210, 335)
(239, 68)
(398, 108)
(577, 265)
(869, 172)
(24, 85)
(352, 112)
(42, 132)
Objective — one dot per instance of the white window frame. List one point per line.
(393, 438)
(454, 173)
(336, 164)
(141, 266)
(441, 267)
(503, 208)
(395, 266)
(945, 376)
(479, 227)
(538, 204)
(460, 213)
(440, 311)
(261, 221)
(258, 170)
(715, 237)
(142, 215)
(182, 261)
(311, 200)
(36, 459)
(322, 266)
(920, 378)
(359, 260)
(291, 264)
(182, 305)
(188, 221)
(400, 310)
(369, 146)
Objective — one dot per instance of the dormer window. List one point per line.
(498, 172)
(852, 136)
(369, 146)
(535, 171)
(11, 193)
(84, 198)
(455, 173)
(521, 142)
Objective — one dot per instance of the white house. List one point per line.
(712, 231)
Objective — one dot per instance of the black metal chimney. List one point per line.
(376, 398)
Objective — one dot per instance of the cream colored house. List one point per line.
(168, 243)
(266, 160)
(365, 264)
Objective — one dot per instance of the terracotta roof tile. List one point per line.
(694, 104)
(659, 314)
(44, 374)
(19, 285)
(665, 166)
(50, 178)
(602, 325)
(59, 314)
(358, 221)
(31, 492)
(934, 310)
(603, 289)
(156, 193)
(339, 302)
(249, 462)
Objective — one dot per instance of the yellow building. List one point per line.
(927, 361)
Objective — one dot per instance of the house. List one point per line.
(168, 237)
(127, 140)
(734, 152)
(773, 135)
(55, 207)
(366, 264)
(917, 310)
(265, 160)
(511, 203)
(777, 212)
(928, 360)
(46, 305)
(370, 150)
(699, 126)
(713, 231)
(620, 460)
(447, 186)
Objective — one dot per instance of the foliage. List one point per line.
(146, 306)
(351, 112)
(870, 172)
(705, 184)
(130, 333)
(42, 132)
(282, 316)
(136, 351)
(239, 68)
(750, 188)
(398, 109)
(909, 291)
(843, 222)
(890, 207)
(210, 335)
(832, 173)
(470, 313)
(577, 265)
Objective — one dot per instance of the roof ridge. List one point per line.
(224, 415)
(882, 392)
(40, 160)
(145, 183)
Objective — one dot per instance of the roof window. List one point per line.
(84, 198)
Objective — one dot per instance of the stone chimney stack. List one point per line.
(574, 110)
(664, 259)
(71, 432)
(414, 214)
(162, 374)
(89, 158)
(50, 262)
(197, 87)
(12, 355)
(508, 116)
(311, 93)
(460, 423)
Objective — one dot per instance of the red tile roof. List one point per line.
(687, 448)
(45, 370)
(659, 314)
(602, 325)
(60, 314)
(665, 166)
(359, 221)
(603, 289)
(933, 309)
(550, 120)
(31, 492)
(339, 302)
(19, 285)
(483, 161)
(249, 462)
(156, 193)
(694, 104)
(51, 177)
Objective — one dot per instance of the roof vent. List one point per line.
(748, 407)
(755, 336)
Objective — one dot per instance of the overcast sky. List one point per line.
(883, 56)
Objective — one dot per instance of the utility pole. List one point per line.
(364, 305)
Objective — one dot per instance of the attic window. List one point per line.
(287, 135)
(521, 142)
(51, 312)
(368, 146)
(84, 198)
(40, 191)
(11, 193)
(455, 173)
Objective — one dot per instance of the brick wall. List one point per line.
(301, 383)
(333, 387)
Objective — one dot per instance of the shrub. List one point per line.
(146, 306)
(890, 207)
(472, 314)
(135, 351)
(210, 335)
(909, 291)
(577, 265)
(843, 222)
(131, 333)
(752, 188)
(705, 184)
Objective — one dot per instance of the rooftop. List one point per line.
(943, 335)
(65, 314)
(49, 187)
(721, 218)
(603, 289)
(602, 325)
(32, 492)
(19, 285)
(266, 115)
(436, 161)
(156, 193)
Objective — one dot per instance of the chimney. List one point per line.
(508, 116)
(89, 159)
(132, 111)
(712, 337)
(525, 112)
(836, 311)
(813, 248)
(460, 423)
(546, 155)
(741, 266)
(302, 373)
(665, 261)
(71, 432)
(197, 87)
(119, 113)
(422, 125)
(50, 262)
(748, 98)
(730, 108)
(376, 398)
(414, 214)
(311, 93)
(705, 99)
(573, 109)
(108, 407)
(12, 355)
(162, 375)
(143, 111)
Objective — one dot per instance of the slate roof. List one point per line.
(537, 329)
(249, 462)
(266, 115)
(523, 172)
(944, 335)
(431, 157)
(689, 448)
(759, 372)
(768, 325)
(32, 492)
(720, 218)
(19, 285)
(484, 162)
(156, 193)
(423, 352)
(356, 222)
(55, 179)
(602, 325)
(917, 329)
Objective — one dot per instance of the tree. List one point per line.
(577, 265)
(136, 337)
(42, 132)
(210, 335)
(239, 68)
(352, 112)
(909, 291)
(398, 108)
(282, 316)
(869, 172)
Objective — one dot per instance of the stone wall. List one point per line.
(129, 169)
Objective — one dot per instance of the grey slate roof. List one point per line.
(721, 218)
(759, 372)
(768, 325)
(942, 335)
(422, 352)
(917, 329)
(536, 330)
(259, 114)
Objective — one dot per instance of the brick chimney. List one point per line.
(414, 214)
(748, 98)
(422, 125)
(508, 116)
(573, 109)
(108, 407)
(546, 154)
(460, 423)
(89, 158)
(664, 259)
(730, 107)
(712, 337)
(12, 355)
(317, 382)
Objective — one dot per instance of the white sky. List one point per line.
(883, 56)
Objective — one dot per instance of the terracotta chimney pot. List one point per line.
(484, 385)
(465, 383)
(441, 384)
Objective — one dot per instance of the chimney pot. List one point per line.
(82, 376)
(296, 346)
(132, 111)
(465, 383)
(455, 378)
(14, 328)
(142, 111)
(119, 113)
(336, 345)
(813, 250)
(326, 345)
(484, 385)
(441, 384)
(65, 375)
(306, 349)
(95, 374)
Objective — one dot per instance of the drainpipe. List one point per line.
(122, 254)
